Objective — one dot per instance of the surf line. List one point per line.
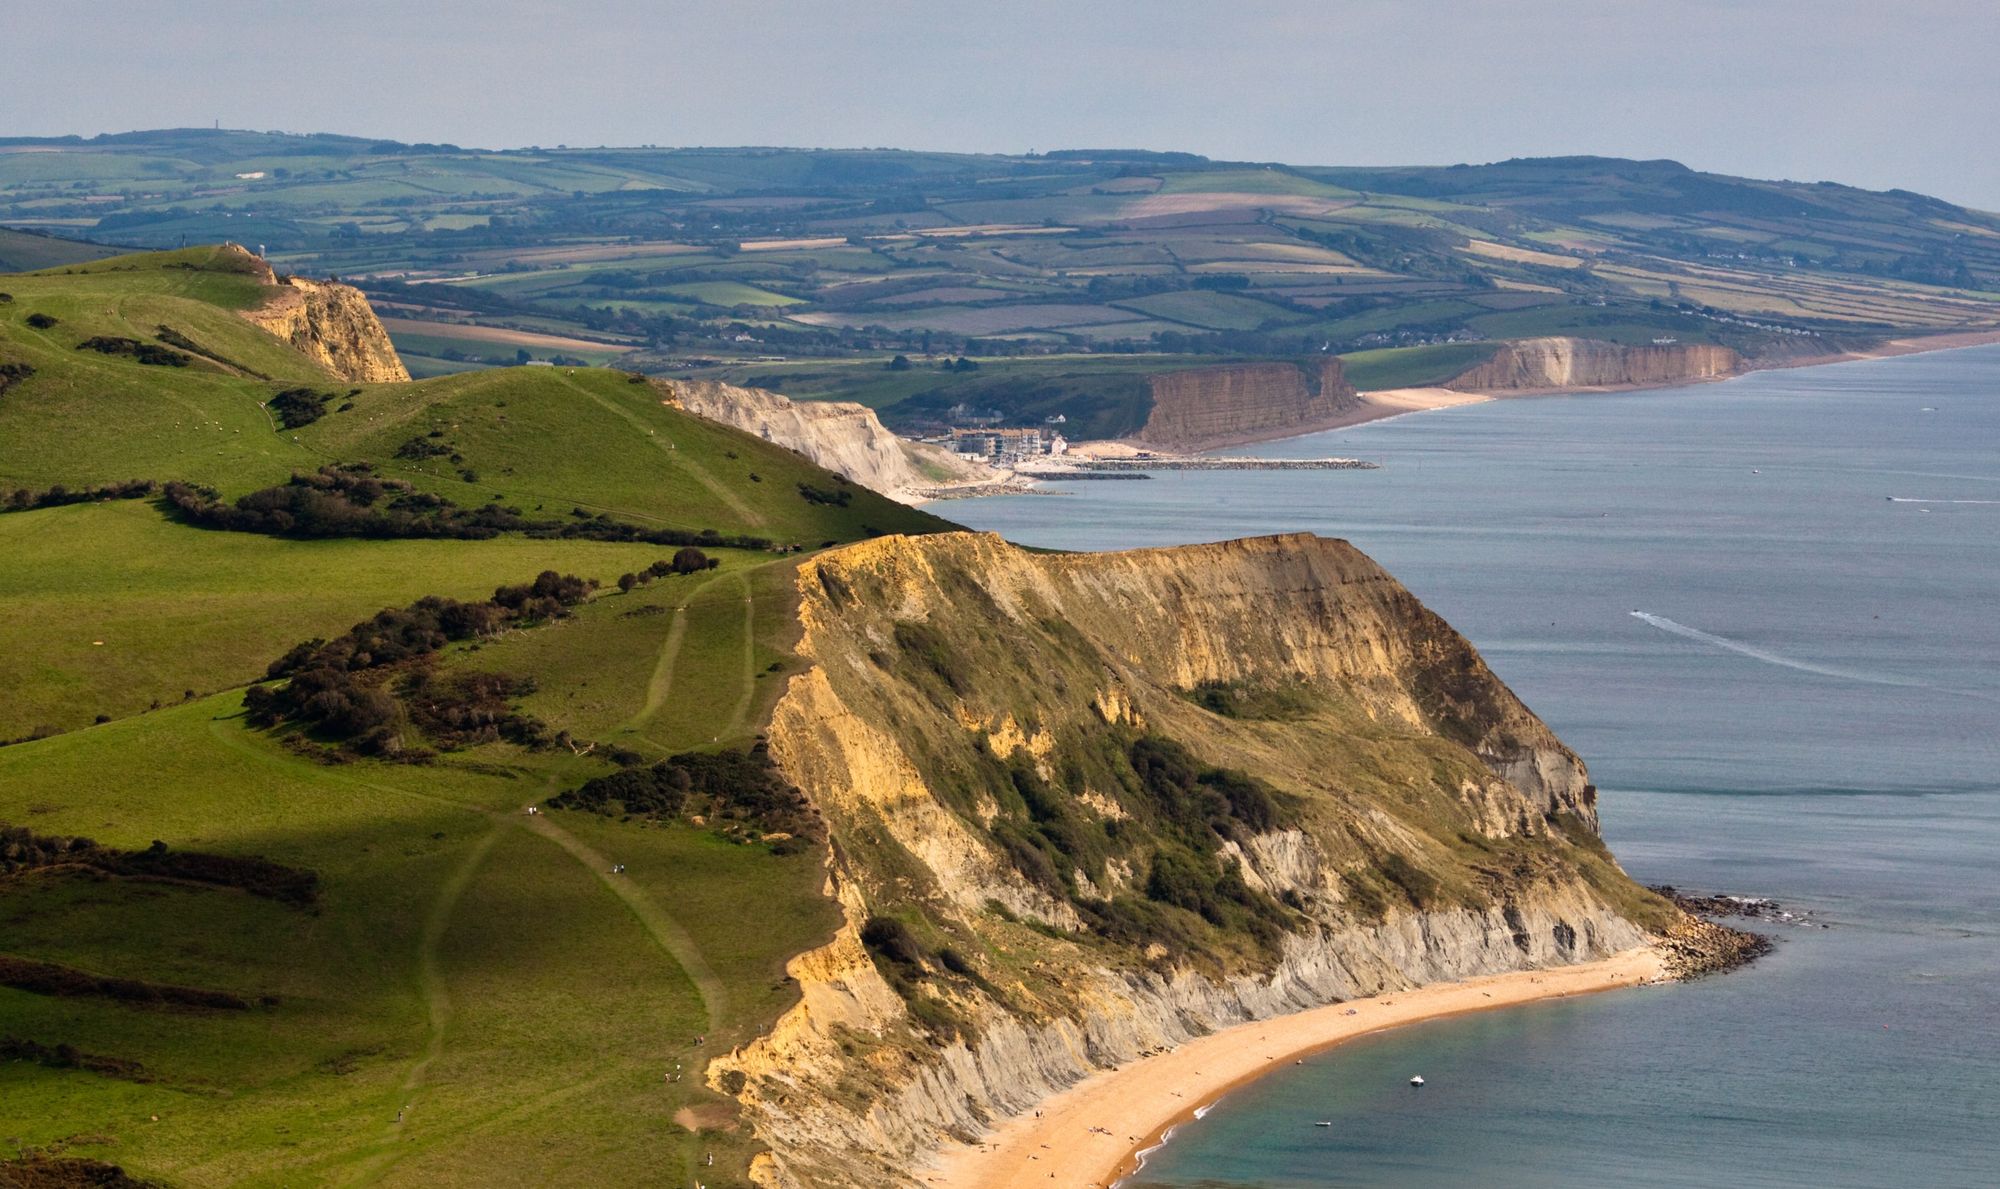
(1770, 658)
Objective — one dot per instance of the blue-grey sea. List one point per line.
(1767, 613)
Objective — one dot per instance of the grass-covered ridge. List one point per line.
(465, 960)
(471, 994)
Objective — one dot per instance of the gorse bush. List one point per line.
(148, 353)
(338, 688)
(299, 406)
(22, 849)
(351, 500)
(13, 373)
(23, 500)
(730, 785)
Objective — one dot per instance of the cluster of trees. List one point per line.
(688, 561)
(341, 689)
(351, 500)
(730, 785)
(151, 353)
(23, 500)
(340, 501)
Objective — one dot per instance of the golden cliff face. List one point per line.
(331, 324)
(1218, 406)
(965, 727)
(1569, 364)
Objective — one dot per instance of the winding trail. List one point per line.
(715, 488)
(657, 922)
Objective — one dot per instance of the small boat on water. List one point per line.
(1324, 1123)
(1418, 1080)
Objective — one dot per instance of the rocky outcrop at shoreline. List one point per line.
(1697, 946)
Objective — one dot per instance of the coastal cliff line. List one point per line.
(1087, 807)
(1203, 408)
(842, 436)
(1574, 365)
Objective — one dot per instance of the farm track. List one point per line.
(716, 488)
(659, 924)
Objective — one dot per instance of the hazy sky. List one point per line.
(1877, 93)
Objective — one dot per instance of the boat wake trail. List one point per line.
(1906, 499)
(1770, 658)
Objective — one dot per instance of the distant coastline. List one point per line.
(1397, 402)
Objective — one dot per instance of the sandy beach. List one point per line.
(1090, 1135)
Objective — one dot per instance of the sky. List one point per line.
(1867, 92)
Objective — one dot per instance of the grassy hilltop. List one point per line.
(283, 958)
(1064, 276)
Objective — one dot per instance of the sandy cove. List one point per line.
(1056, 1148)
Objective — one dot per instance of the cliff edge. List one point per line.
(330, 323)
(1083, 807)
(1571, 364)
(841, 436)
(1204, 408)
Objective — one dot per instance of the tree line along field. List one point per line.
(456, 992)
(704, 261)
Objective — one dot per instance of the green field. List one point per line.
(664, 248)
(1412, 367)
(165, 609)
(1212, 311)
(474, 997)
(730, 293)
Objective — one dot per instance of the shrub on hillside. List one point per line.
(727, 785)
(13, 373)
(148, 353)
(341, 690)
(351, 500)
(41, 321)
(23, 500)
(299, 406)
(819, 495)
(418, 449)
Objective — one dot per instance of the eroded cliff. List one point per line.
(1207, 407)
(1569, 364)
(330, 323)
(841, 436)
(1086, 806)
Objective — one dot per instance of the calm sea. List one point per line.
(1767, 613)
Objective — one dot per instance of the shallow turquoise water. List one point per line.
(1810, 711)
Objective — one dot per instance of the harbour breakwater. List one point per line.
(1104, 468)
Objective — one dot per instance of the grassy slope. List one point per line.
(481, 968)
(585, 438)
(181, 608)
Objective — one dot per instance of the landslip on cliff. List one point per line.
(841, 436)
(1576, 365)
(1084, 807)
(1209, 407)
(330, 323)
